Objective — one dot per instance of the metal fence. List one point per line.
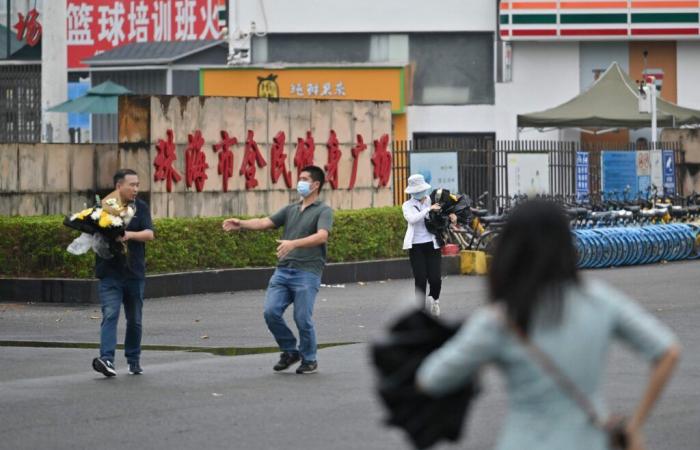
(20, 103)
(483, 165)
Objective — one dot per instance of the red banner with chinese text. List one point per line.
(97, 26)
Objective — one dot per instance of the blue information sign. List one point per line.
(619, 172)
(582, 188)
(669, 171)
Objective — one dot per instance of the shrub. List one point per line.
(36, 246)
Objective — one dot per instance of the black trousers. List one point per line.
(426, 263)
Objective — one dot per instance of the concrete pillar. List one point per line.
(54, 75)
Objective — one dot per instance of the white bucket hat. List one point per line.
(416, 184)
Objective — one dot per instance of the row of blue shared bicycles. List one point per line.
(613, 229)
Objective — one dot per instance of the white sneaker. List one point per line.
(435, 308)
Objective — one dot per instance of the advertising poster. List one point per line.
(97, 26)
(528, 173)
(619, 171)
(439, 168)
(643, 172)
(669, 171)
(582, 164)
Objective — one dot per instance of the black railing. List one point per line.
(483, 165)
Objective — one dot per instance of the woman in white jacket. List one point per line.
(423, 249)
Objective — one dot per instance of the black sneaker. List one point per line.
(135, 368)
(307, 367)
(287, 359)
(103, 366)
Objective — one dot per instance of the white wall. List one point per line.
(598, 56)
(365, 16)
(545, 75)
(451, 119)
(688, 74)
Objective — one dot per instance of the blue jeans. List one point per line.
(113, 292)
(289, 286)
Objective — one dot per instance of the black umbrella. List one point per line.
(427, 420)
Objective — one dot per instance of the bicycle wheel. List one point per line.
(487, 241)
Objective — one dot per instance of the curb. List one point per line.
(68, 290)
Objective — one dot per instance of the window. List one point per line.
(452, 68)
(318, 48)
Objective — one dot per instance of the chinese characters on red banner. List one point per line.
(195, 161)
(251, 157)
(304, 155)
(225, 167)
(196, 164)
(278, 165)
(96, 26)
(29, 27)
(334, 155)
(164, 162)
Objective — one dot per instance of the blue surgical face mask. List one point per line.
(304, 188)
(420, 195)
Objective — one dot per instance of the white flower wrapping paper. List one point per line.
(102, 220)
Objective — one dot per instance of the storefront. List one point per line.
(319, 83)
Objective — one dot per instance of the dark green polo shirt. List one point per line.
(299, 224)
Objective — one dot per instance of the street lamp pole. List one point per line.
(652, 90)
(8, 11)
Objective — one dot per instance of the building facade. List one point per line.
(474, 66)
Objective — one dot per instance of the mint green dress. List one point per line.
(541, 416)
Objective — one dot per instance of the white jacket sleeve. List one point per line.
(412, 215)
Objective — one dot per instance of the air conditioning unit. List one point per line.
(239, 50)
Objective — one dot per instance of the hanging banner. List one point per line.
(582, 164)
(669, 172)
(439, 168)
(528, 173)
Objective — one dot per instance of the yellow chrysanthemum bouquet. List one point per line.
(101, 227)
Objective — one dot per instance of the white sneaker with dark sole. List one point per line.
(105, 367)
(435, 308)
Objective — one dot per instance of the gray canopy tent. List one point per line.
(611, 102)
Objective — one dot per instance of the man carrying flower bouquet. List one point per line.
(302, 256)
(122, 276)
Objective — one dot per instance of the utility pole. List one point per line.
(652, 91)
(651, 83)
(8, 11)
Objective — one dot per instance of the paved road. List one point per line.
(50, 398)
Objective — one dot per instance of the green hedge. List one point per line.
(36, 246)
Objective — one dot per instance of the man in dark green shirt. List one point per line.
(302, 256)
